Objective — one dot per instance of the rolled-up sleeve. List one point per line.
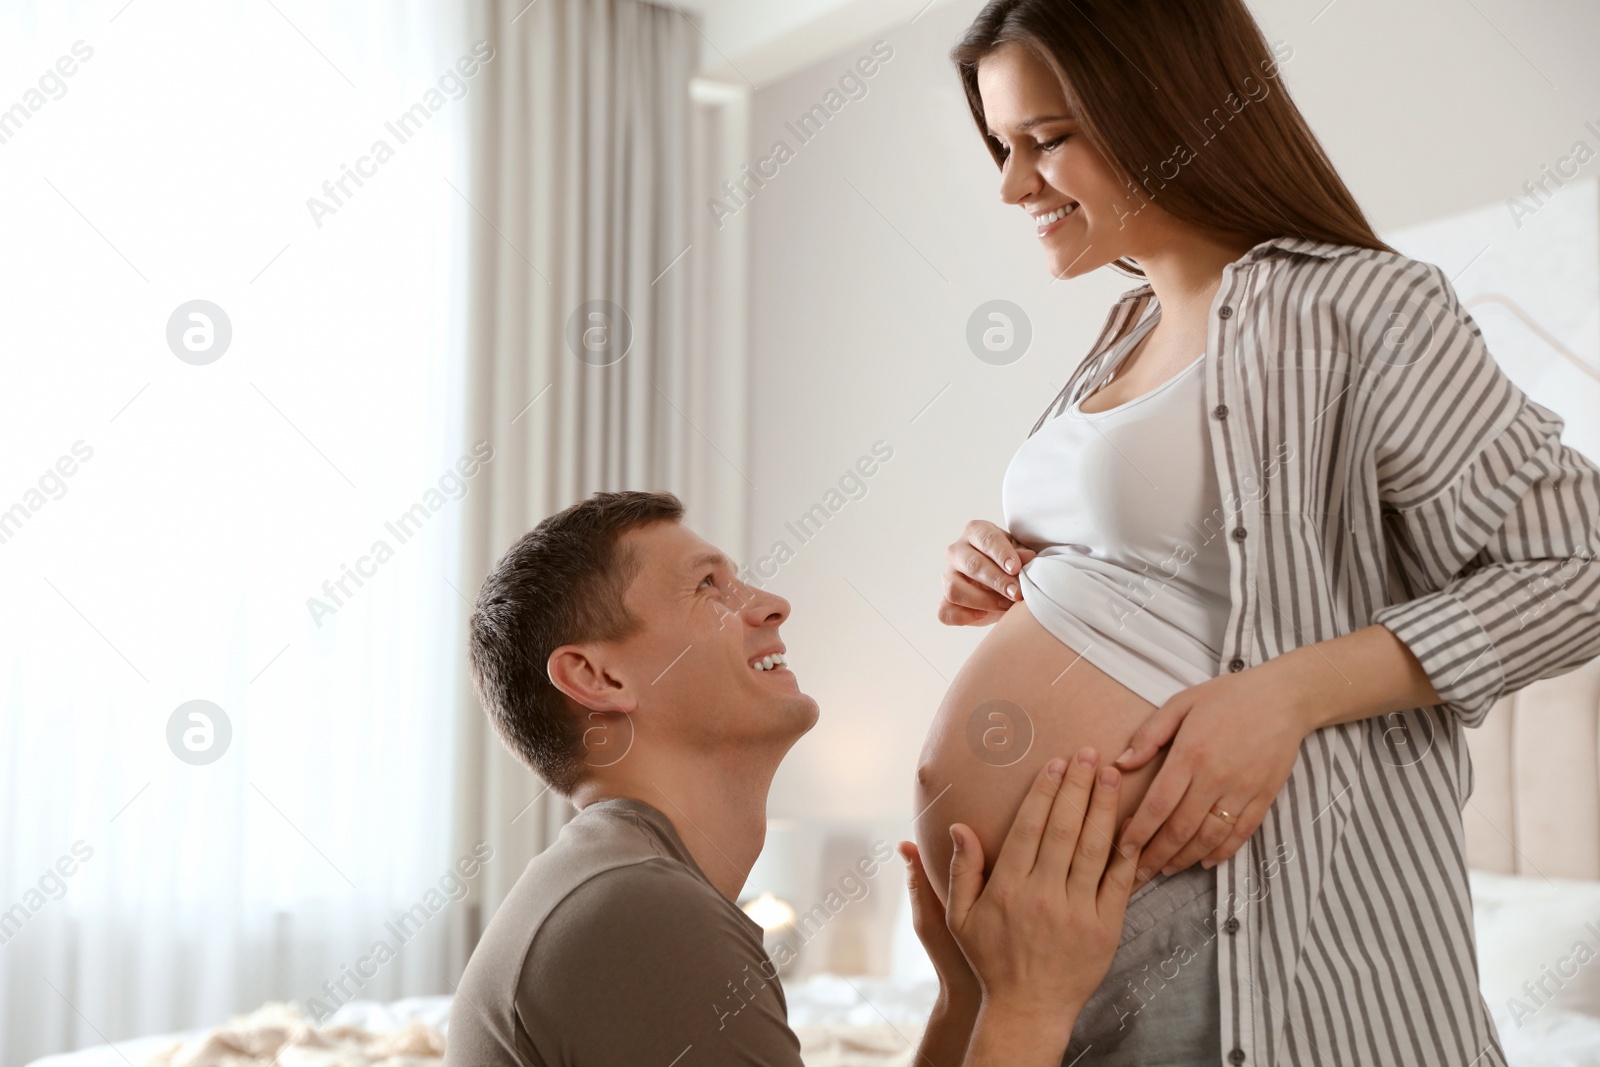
(1492, 523)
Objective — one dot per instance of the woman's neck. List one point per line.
(1184, 266)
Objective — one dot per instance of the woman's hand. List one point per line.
(1235, 738)
(1040, 933)
(980, 572)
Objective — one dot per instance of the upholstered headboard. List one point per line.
(1535, 803)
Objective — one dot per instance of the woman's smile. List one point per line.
(1047, 222)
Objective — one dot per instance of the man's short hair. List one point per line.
(562, 583)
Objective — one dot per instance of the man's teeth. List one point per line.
(1055, 216)
(766, 663)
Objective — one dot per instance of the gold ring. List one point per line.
(1224, 816)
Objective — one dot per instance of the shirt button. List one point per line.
(1226, 312)
(1236, 1057)
(1220, 411)
(1231, 926)
(1238, 533)
(1236, 664)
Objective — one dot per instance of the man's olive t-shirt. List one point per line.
(614, 948)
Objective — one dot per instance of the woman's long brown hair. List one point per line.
(1185, 101)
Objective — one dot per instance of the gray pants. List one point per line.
(1159, 1005)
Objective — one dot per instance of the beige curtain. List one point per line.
(590, 165)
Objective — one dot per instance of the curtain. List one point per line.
(287, 369)
(191, 500)
(596, 359)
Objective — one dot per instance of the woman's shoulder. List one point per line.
(1366, 296)
(1375, 269)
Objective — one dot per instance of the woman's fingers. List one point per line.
(956, 615)
(1186, 821)
(1094, 843)
(981, 575)
(994, 543)
(1066, 821)
(1160, 800)
(986, 555)
(965, 592)
(1213, 831)
(1158, 729)
(1249, 822)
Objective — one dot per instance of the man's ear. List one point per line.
(580, 672)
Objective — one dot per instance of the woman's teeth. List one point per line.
(1055, 216)
(766, 663)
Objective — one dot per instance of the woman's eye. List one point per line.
(1048, 146)
(712, 578)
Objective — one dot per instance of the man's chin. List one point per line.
(796, 714)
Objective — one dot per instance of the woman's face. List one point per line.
(1050, 165)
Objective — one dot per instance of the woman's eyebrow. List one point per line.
(1040, 120)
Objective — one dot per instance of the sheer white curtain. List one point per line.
(169, 526)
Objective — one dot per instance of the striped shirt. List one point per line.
(1376, 466)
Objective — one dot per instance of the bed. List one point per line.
(1533, 843)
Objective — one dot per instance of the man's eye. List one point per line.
(712, 578)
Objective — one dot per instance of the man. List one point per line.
(621, 658)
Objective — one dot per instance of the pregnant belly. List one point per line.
(1021, 699)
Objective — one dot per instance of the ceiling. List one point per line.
(753, 43)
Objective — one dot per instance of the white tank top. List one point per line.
(1123, 507)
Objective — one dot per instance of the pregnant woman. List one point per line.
(1285, 532)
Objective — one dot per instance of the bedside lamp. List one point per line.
(776, 918)
(773, 914)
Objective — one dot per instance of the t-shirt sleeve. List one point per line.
(645, 964)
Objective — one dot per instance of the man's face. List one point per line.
(689, 668)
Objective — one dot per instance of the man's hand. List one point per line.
(1040, 934)
(958, 984)
(949, 1029)
(980, 575)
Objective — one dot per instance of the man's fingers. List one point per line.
(1066, 822)
(1158, 729)
(924, 904)
(1094, 844)
(1019, 852)
(966, 876)
(1117, 884)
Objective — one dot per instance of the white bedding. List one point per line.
(364, 1014)
(841, 1022)
(1526, 927)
